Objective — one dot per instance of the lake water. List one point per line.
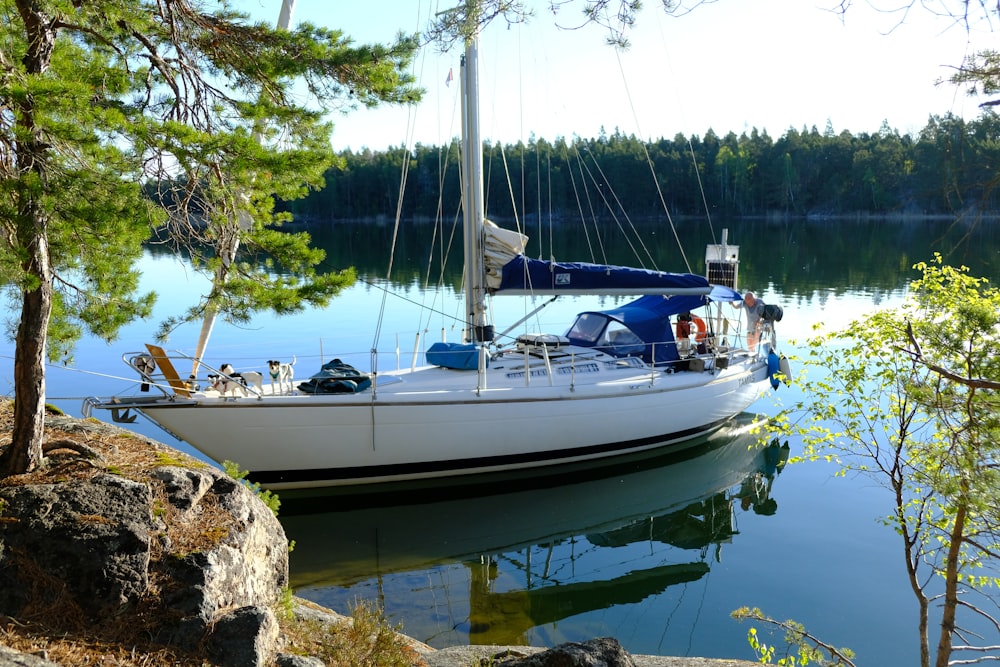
(655, 552)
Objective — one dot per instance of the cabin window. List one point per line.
(622, 341)
(587, 329)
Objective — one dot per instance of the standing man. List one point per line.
(754, 307)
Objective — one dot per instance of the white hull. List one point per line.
(417, 425)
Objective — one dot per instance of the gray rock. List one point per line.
(246, 637)
(83, 543)
(12, 658)
(289, 660)
(185, 487)
(480, 654)
(248, 568)
(601, 652)
(89, 545)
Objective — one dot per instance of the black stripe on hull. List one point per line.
(386, 473)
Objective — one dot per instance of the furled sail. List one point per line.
(500, 246)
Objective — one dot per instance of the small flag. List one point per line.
(451, 75)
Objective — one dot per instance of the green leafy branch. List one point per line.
(269, 498)
(808, 648)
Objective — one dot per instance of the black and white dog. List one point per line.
(281, 373)
(231, 381)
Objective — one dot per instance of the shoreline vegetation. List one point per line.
(943, 170)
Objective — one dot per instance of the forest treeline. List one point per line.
(951, 165)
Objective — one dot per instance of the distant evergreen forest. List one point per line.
(950, 166)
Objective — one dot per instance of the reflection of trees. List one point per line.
(798, 258)
(505, 618)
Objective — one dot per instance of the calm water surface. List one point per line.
(655, 552)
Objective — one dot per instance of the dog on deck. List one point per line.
(281, 373)
(231, 381)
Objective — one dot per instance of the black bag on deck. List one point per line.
(336, 377)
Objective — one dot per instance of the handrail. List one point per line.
(179, 387)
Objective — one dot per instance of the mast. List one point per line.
(473, 207)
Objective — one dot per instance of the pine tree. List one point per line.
(119, 118)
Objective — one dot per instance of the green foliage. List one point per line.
(908, 396)
(166, 459)
(802, 648)
(132, 95)
(184, 118)
(369, 639)
(269, 498)
(286, 604)
(83, 186)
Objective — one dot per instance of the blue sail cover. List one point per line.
(522, 275)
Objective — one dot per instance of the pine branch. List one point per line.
(918, 357)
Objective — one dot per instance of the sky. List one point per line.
(732, 66)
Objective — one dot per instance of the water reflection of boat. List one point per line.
(662, 507)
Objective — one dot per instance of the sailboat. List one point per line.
(655, 372)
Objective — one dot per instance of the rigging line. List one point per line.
(538, 187)
(410, 129)
(584, 173)
(548, 172)
(611, 209)
(520, 106)
(392, 254)
(628, 219)
(701, 191)
(517, 221)
(652, 167)
(510, 187)
(698, 610)
(444, 249)
(488, 179)
(75, 369)
(579, 205)
(439, 213)
(446, 252)
(388, 292)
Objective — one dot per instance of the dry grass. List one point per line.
(55, 628)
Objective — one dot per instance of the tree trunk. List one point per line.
(951, 582)
(25, 451)
(912, 557)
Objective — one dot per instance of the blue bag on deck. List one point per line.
(459, 356)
